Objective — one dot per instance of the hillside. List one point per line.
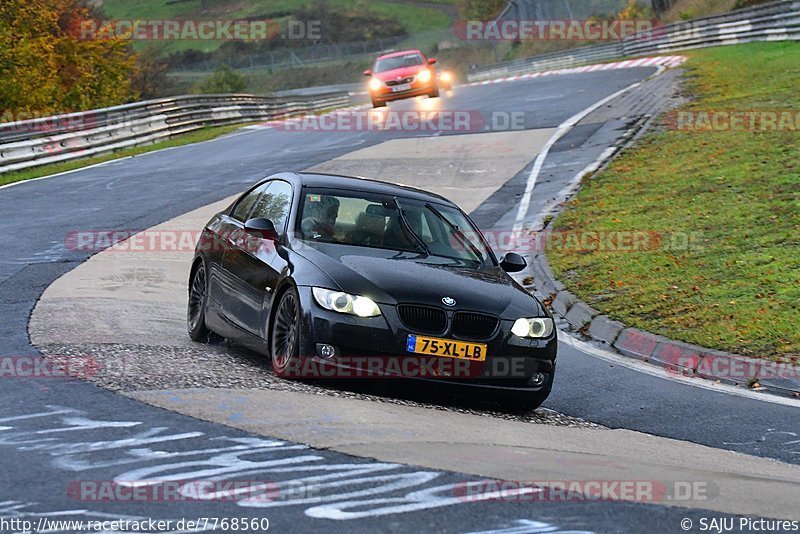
(413, 16)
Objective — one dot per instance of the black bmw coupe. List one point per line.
(335, 276)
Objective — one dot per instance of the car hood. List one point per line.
(393, 74)
(389, 277)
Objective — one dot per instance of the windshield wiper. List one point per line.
(457, 232)
(422, 247)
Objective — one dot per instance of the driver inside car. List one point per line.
(320, 214)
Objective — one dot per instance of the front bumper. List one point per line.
(376, 347)
(385, 93)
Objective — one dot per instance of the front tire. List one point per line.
(196, 310)
(434, 93)
(285, 337)
(523, 402)
(376, 104)
(520, 402)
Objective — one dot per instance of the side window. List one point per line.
(246, 203)
(274, 204)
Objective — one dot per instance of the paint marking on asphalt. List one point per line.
(665, 61)
(563, 129)
(117, 160)
(64, 172)
(660, 372)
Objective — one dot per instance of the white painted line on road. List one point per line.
(660, 372)
(668, 61)
(12, 184)
(573, 185)
(117, 160)
(563, 129)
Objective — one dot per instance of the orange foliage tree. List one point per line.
(46, 68)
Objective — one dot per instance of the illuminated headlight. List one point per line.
(345, 303)
(446, 77)
(424, 76)
(537, 327)
(375, 84)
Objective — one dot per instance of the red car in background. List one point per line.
(402, 75)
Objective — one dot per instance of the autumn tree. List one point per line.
(45, 67)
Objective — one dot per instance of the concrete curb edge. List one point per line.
(675, 356)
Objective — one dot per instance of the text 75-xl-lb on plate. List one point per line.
(447, 348)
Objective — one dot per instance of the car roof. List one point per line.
(367, 185)
(401, 53)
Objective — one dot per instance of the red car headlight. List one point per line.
(375, 84)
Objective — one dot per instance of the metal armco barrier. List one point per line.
(30, 143)
(775, 21)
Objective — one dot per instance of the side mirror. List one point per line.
(368, 72)
(513, 263)
(261, 228)
(432, 61)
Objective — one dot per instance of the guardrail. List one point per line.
(775, 21)
(30, 143)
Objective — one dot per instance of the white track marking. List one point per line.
(660, 372)
(563, 129)
(12, 184)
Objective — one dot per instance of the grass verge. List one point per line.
(736, 285)
(203, 134)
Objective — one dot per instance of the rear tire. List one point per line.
(285, 335)
(196, 310)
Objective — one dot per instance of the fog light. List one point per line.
(326, 351)
(538, 379)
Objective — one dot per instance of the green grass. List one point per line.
(738, 287)
(204, 134)
(414, 18)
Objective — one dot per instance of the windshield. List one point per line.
(391, 223)
(398, 62)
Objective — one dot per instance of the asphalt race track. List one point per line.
(56, 433)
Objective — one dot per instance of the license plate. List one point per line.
(447, 348)
(401, 87)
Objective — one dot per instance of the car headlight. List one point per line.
(344, 303)
(446, 77)
(424, 76)
(375, 84)
(538, 327)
